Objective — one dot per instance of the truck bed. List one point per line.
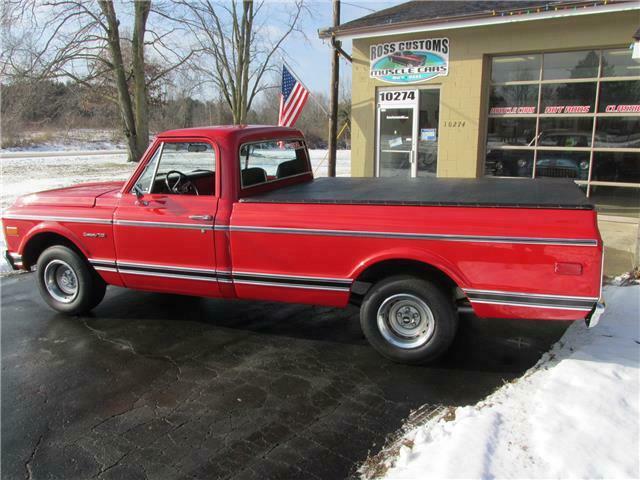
(483, 192)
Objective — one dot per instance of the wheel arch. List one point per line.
(45, 236)
(428, 266)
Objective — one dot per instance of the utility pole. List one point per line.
(333, 101)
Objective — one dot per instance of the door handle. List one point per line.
(201, 217)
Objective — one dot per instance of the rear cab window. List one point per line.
(272, 160)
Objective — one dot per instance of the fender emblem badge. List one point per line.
(93, 235)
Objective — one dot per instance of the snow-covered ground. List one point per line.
(46, 170)
(574, 415)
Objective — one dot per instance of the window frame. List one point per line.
(594, 115)
(244, 189)
(159, 145)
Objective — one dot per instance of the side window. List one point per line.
(144, 180)
(272, 160)
(180, 168)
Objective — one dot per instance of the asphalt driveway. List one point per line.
(161, 386)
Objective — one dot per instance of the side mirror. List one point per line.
(139, 195)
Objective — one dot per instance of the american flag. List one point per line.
(292, 99)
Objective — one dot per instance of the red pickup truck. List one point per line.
(235, 212)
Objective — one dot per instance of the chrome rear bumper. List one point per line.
(594, 316)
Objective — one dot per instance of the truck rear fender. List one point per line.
(396, 262)
(45, 235)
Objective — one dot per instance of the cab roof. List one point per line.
(233, 132)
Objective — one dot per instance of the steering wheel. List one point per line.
(182, 185)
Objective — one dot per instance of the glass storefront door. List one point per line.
(428, 118)
(407, 137)
(396, 142)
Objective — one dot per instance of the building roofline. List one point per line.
(578, 8)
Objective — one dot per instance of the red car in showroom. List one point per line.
(235, 212)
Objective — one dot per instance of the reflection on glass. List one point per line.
(566, 65)
(516, 68)
(620, 97)
(509, 163)
(562, 164)
(565, 132)
(396, 141)
(618, 201)
(513, 99)
(428, 119)
(618, 132)
(566, 98)
(511, 131)
(616, 167)
(618, 63)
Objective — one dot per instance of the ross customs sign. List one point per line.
(410, 61)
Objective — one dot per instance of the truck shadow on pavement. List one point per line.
(163, 386)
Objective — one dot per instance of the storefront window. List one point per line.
(565, 132)
(564, 65)
(618, 63)
(572, 115)
(568, 98)
(513, 99)
(620, 97)
(562, 164)
(509, 163)
(618, 132)
(511, 131)
(518, 68)
(616, 167)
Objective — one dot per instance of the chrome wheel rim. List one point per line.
(61, 281)
(405, 321)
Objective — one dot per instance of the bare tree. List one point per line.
(233, 37)
(83, 40)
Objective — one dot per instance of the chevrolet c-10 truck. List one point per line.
(234, 212)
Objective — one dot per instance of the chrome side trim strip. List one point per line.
(531, 305)
(105, 269)
(346, 281)
(153, 266)
(522, 294)
(417, 236)
(102, 261)
(165, 275)
(141, 223)
(101, 221)
(291, 285)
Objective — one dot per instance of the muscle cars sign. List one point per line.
(410, 61)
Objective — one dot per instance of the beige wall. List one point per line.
(463, 92)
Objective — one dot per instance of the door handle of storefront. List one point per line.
(413, 156)
(205, 218)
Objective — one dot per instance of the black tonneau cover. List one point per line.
(482, 192)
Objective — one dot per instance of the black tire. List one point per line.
(395, 299)
(89, 287)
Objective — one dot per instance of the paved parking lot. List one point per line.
(161, 386)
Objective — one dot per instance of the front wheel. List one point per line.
(408, 319)
(67, 283)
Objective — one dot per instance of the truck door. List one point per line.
(163, 226)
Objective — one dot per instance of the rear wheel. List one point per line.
(67, 283)
(408, 319)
